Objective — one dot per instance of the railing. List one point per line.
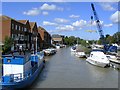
(19, 76)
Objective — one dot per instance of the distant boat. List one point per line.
(20, 71)
(118, 48)
(98, 58)
(57, 46)
(113, 59)
(80, 54)
(50, 51)
(73, 49)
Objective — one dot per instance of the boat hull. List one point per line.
(23, 83)
(97, 63)
(80, 54)
(57, 47)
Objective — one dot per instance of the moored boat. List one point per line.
(113, 59)
(58, 46)
(50, 51)
(19, 71)
(73, 49)
(80, 54)
(98, 58)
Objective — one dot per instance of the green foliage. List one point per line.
(116, 37)
(111, 39)
(83, 42)
(76, 40)
(7, 44)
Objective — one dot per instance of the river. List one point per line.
(64, 70)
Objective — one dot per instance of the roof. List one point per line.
(41, 28)
(32, 24)
(3, 17)
(23, 21)
(57, 39)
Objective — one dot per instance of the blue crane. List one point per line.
(107, 48)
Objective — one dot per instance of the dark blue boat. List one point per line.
(19, 71)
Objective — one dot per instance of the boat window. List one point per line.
(91, 55)
(8, 60)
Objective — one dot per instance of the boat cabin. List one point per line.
(18, 67)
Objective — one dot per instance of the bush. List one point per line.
(7, 44)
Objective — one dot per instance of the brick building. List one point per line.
(16, 30)
(27, 33)
(24, 33)
(46, 37)
(34, 34)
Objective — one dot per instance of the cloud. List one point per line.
(108, 25)
(45, 6)
(107, 6)
(61, 20)
(47, 23)
(80, 23)
(33, 12)
(45, 13)
(114, 17)
(65, 28)
(52, 31)
(93, 23)
(50, 7)
(74, 16)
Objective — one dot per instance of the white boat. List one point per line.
(57, 46)
(118, 48)
(113, 59)
(50, 51)
(73, 49)
(98, 58)
(80, 54)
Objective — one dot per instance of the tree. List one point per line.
(99, 41)
(83, 42)
(7, 44)
(116, 37)
(65, 39)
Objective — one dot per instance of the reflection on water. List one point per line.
(64, 70)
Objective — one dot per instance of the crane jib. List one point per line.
(106, 48)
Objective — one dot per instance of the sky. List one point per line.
(67, 18)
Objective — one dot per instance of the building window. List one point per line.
(12, 35)
(12, 26)
(16, 27)
(22, 28)
(25, 29)
(19, 27)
